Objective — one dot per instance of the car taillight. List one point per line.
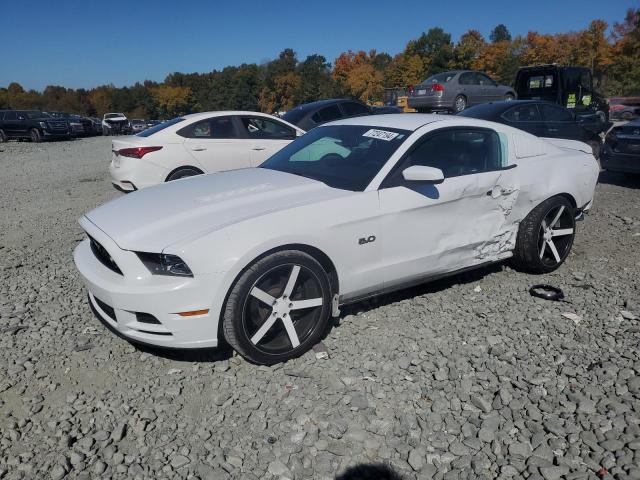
(137, 152)
(410, 88)
(437, 87)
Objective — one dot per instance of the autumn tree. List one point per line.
(468, 50)
(172, 101)
(500, 33)
(435, 49)
(624, 74)
(356, 75)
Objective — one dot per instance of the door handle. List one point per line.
(259, 148)
(198, 149)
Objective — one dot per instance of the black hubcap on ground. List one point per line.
(282, 309)
(556, 235)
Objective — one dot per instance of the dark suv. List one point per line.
(32, 124)
(80, 126)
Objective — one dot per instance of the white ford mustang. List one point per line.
(195, 144)
(263, 256)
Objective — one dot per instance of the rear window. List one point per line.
(538, 82)
(439, 78)
(353, 109)
(150, 131)
(327, 114)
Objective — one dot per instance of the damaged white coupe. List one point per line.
(264, 256)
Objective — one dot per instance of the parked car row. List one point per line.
(33, 125)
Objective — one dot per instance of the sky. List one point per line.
(83, 44)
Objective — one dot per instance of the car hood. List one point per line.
(151, 219)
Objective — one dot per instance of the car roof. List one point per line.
(322, 103)
(196, 116)
(402, 121)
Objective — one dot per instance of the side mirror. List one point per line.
(421, 173)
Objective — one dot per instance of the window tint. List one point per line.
(456, 152)
(353, 109)
(551, 113)
(214, 128)
(439, 78)
(260, 127)
(327, 114)
(467, 78)
(161, 126)
(523, 113)
(10, 116)
(536, 83)
(341, 156)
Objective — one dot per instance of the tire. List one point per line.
(183, 172)
(533, 252)
(459, 104)
(35, 135)
(271, 329)
(3, 137)
(509, 97)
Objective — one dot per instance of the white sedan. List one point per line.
(264, 256)
(195, 144)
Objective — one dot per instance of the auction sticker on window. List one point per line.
(380, 134)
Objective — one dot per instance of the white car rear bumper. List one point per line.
(145, 308)
(129, 174)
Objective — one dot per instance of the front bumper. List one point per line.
(56, 134)
(619, 162)
(125, 302)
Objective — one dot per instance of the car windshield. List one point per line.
(35, 114)
(340, 156)
(113, 115)
(161, 126)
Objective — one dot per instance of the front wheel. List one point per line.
(35, 136)
(545, 236)
(509, 97)
(278, 308)
(459, 104)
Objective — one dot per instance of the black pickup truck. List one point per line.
(32, 124)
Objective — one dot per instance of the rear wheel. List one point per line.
(278, 308)
(35, 135)
(508, 97)
(460, 103)
(183, 172)
(545, 236)
(3, 137)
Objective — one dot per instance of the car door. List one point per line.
(560, 123)
(489, 89)
(11, 124)
(264, 136)
(430, 229)
(525, 117)
(216, 145)
(469, 87)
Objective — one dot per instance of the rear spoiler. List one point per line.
(570, 144)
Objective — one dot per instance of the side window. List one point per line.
(551, 113)
(523, 113)
(484, 80)
(264, 128)
(353, 109)
(327, 114)
(10, 116)
(456, 152)
(213, 128)
(466, 78)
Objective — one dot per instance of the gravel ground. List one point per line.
(464, 378)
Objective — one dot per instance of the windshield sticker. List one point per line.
(380, 134)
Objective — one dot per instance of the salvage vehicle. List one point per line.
(33, 125)
(456, 90)
(138, 125)
(621, 152)
(97, 125)
(542, 119)
(195, 144)
(569, 86)
(309, 115)
(264, 256)
(115, 124)
(80, 126)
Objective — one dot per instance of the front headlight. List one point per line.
(75, 124)
(162, 264)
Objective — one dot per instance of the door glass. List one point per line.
(10, 116)
(467, 78)
(523, 113)
(264, 128)
(328, 113)
(456, 152)
(352, 109)
(211, 128)
(484, 80)
(551, 113)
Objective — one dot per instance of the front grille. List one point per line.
(103, 256)
(111, 313)
(58, 126)
(147, 318)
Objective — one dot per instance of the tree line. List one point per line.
(278, 85)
